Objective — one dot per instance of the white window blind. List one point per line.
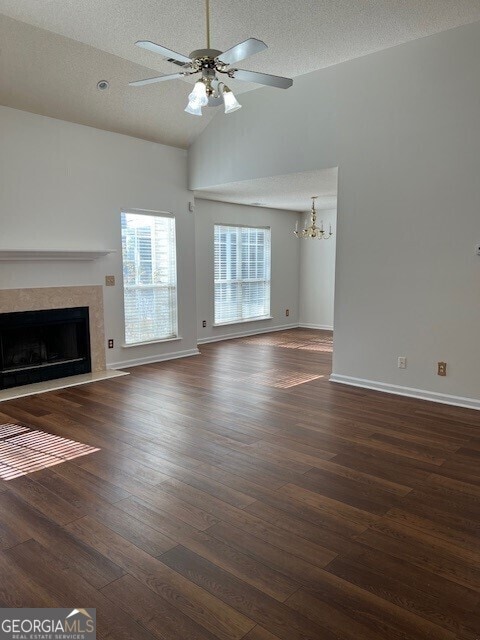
(149, 277)
(242, 273)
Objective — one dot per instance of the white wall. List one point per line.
(285, 266)
(402, 125)
(63, 186)
(317, 276)
(277, 132)
(408, 280)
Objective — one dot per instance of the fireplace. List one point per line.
(43, 345)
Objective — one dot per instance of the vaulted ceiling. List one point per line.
(53, 52)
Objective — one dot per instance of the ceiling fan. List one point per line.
(209, 90)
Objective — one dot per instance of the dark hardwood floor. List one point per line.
(239, 494)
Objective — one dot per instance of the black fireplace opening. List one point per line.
(43, 345)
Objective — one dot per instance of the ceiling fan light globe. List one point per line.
(201, 102)
(194, 102)
(199, 94)
(231, 103)
(194, 108)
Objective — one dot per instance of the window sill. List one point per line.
(141, 344)
(226, 324)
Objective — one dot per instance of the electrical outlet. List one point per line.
(204, 324)
(110, 343)
(109, 281)
(442, 369)
(402, 362)
(287, 312)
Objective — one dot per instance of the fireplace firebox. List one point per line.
(43, 345)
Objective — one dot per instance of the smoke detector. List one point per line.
(102, 85)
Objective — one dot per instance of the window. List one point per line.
(149, 277)
(242, 273)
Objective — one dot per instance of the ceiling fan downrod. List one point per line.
(207, 15)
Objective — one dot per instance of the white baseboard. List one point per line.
(245, 334)
(307, 325)
(152, 359)
(421, 394)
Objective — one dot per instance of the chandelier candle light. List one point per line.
(313, 231)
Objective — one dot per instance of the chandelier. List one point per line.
(313, 231)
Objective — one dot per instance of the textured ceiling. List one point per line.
(48, 74)
(51, 75)
(290, 192)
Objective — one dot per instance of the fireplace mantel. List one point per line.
(21, 255)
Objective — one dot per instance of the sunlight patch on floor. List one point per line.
(325, 347)
(24, 450)
(7, 430)
(282, 379)
(292, 340)
(262, 341)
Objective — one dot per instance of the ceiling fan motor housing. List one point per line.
(206, 56)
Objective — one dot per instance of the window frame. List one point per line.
(153, 214)
(241, 280)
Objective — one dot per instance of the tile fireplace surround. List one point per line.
(60, 298)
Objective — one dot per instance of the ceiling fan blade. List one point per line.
(171, 56)
(262, 78)
(242, 50)
(142, 83)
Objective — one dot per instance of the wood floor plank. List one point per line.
(204, 479)
(86, 562)
(370, 480)
(368, 616)
(241, 565)
(162, 619)
(17, 590)
(181, 510)
(165, 523)
(352, 493)
(282, 538)
(52, 506)
(254, 603)
(280, 499)
(66, 588)
(220, 618)
(331, 506)
(436, 529)
(419, 602)
(298, 570)
(259, 633)
(300, 528)
(335, 621)
(443, 590)
(424, 551)
(138, 533)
